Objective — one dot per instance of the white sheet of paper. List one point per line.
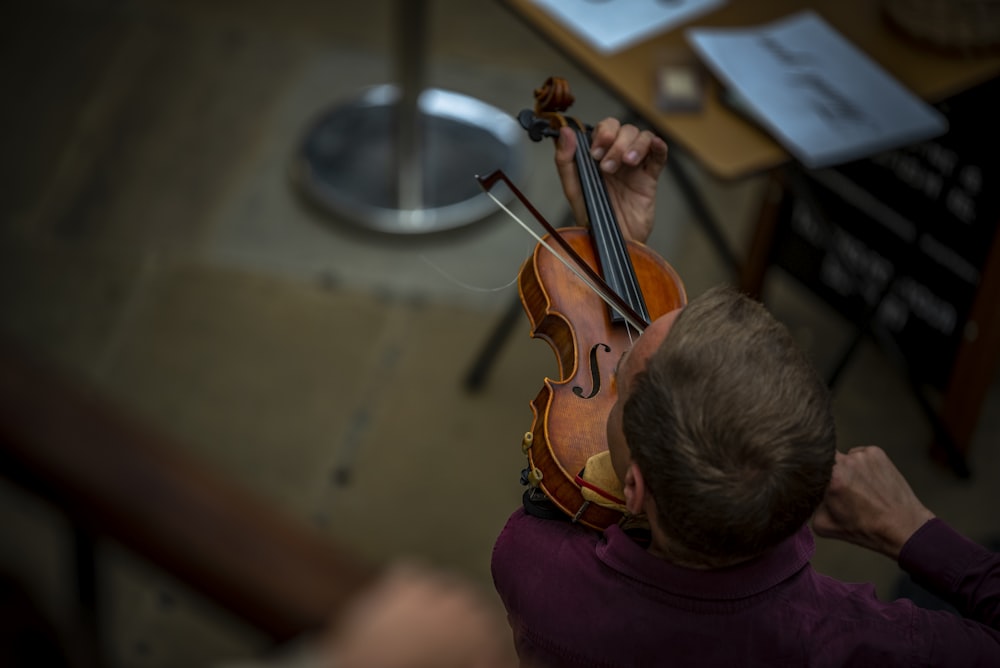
(612, 25)
(823, 98)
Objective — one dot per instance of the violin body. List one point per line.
(570, 412)
(590, 299)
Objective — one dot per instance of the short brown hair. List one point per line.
(732, 429)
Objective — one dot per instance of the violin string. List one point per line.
(462, 284)
(594, 288)
(592, 180)
(571, 255)
(606, 229)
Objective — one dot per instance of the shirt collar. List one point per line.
(749, 578)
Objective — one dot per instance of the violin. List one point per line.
(587, 335)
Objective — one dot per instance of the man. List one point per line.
(723, 440)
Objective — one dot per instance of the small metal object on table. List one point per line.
(401, 158)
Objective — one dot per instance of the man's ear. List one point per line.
(635, 489)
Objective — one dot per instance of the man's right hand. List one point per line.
(869, 503)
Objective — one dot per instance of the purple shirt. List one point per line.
(576, 597)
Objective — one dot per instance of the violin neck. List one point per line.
(612, 251)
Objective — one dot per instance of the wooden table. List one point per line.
(729, 147)
(721, 141)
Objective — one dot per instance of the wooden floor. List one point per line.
(152, 242)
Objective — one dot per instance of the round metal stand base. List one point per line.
(350, 163)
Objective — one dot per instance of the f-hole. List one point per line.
(595, 373)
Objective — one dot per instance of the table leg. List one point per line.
(751, 278)
(704, 216)
(976, 362)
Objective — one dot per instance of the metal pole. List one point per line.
(411, 24)
(402, 157)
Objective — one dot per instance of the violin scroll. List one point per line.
(551, 100)
(553, 97)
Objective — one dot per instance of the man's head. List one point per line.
(729, 426)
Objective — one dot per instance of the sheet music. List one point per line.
(823, 98)
(613, 25)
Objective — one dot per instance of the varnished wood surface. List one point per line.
(569, 427)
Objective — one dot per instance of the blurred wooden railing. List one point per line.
(115, 476)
